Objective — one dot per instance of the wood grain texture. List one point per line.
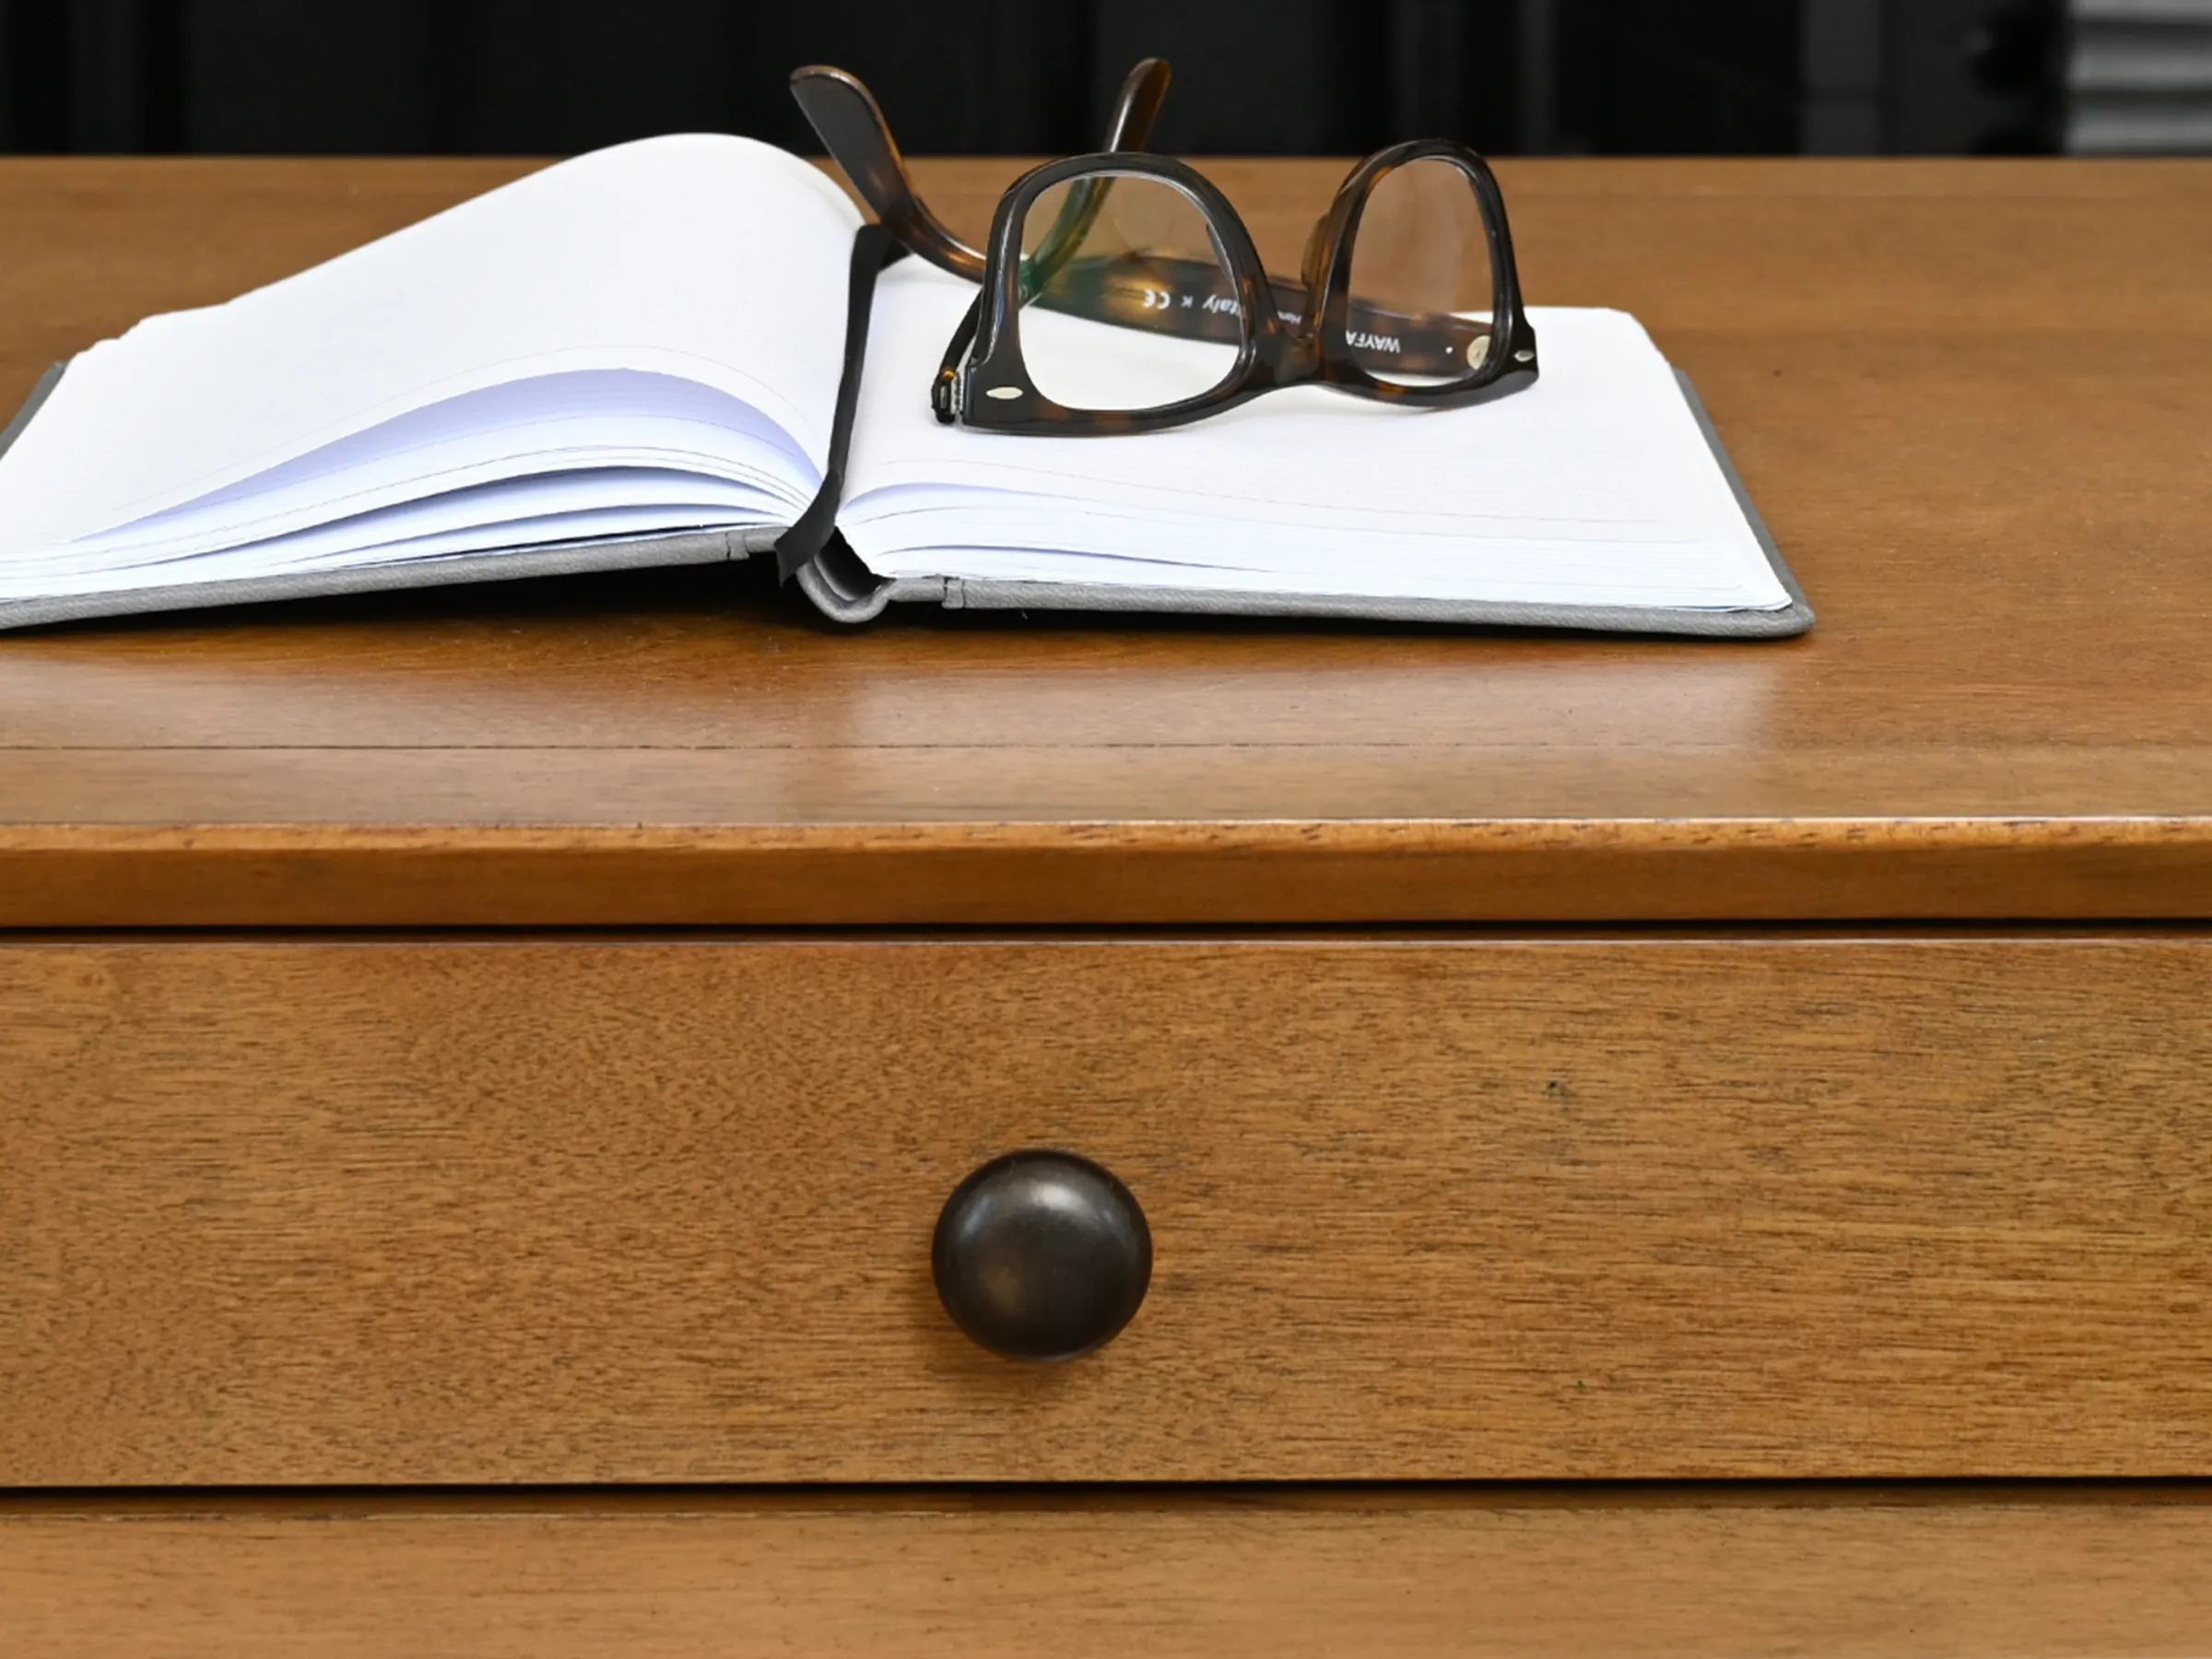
(332, 1212)
(1863, 1575)
(2006, 710)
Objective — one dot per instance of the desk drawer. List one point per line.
(661, 1210)
(1174, 1573)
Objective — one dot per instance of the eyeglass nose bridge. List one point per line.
(1291, 350)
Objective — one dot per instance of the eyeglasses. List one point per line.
(1122, 293)
(1407, 294)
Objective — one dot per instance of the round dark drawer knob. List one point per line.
(1041, 1255)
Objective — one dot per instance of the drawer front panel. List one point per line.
(578, 1211)
(1176, 1573)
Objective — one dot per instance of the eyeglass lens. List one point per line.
(1421, 277)
(1127, 300)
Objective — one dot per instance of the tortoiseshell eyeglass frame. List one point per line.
(846, 117)
(1305, 342)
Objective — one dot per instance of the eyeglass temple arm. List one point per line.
(1421, 342)
(850, 124)
(1136, 105)
(1193, 299)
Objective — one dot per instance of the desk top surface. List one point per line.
(1973, 401)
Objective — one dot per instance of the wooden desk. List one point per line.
(523, 1034)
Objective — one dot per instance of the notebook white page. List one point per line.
(668, 315)
(1594, 487)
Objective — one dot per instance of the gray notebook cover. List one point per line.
(849, 595)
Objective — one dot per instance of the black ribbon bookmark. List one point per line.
(813, 534)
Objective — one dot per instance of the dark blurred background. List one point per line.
(1286, 77)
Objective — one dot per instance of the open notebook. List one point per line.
(634, 358)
